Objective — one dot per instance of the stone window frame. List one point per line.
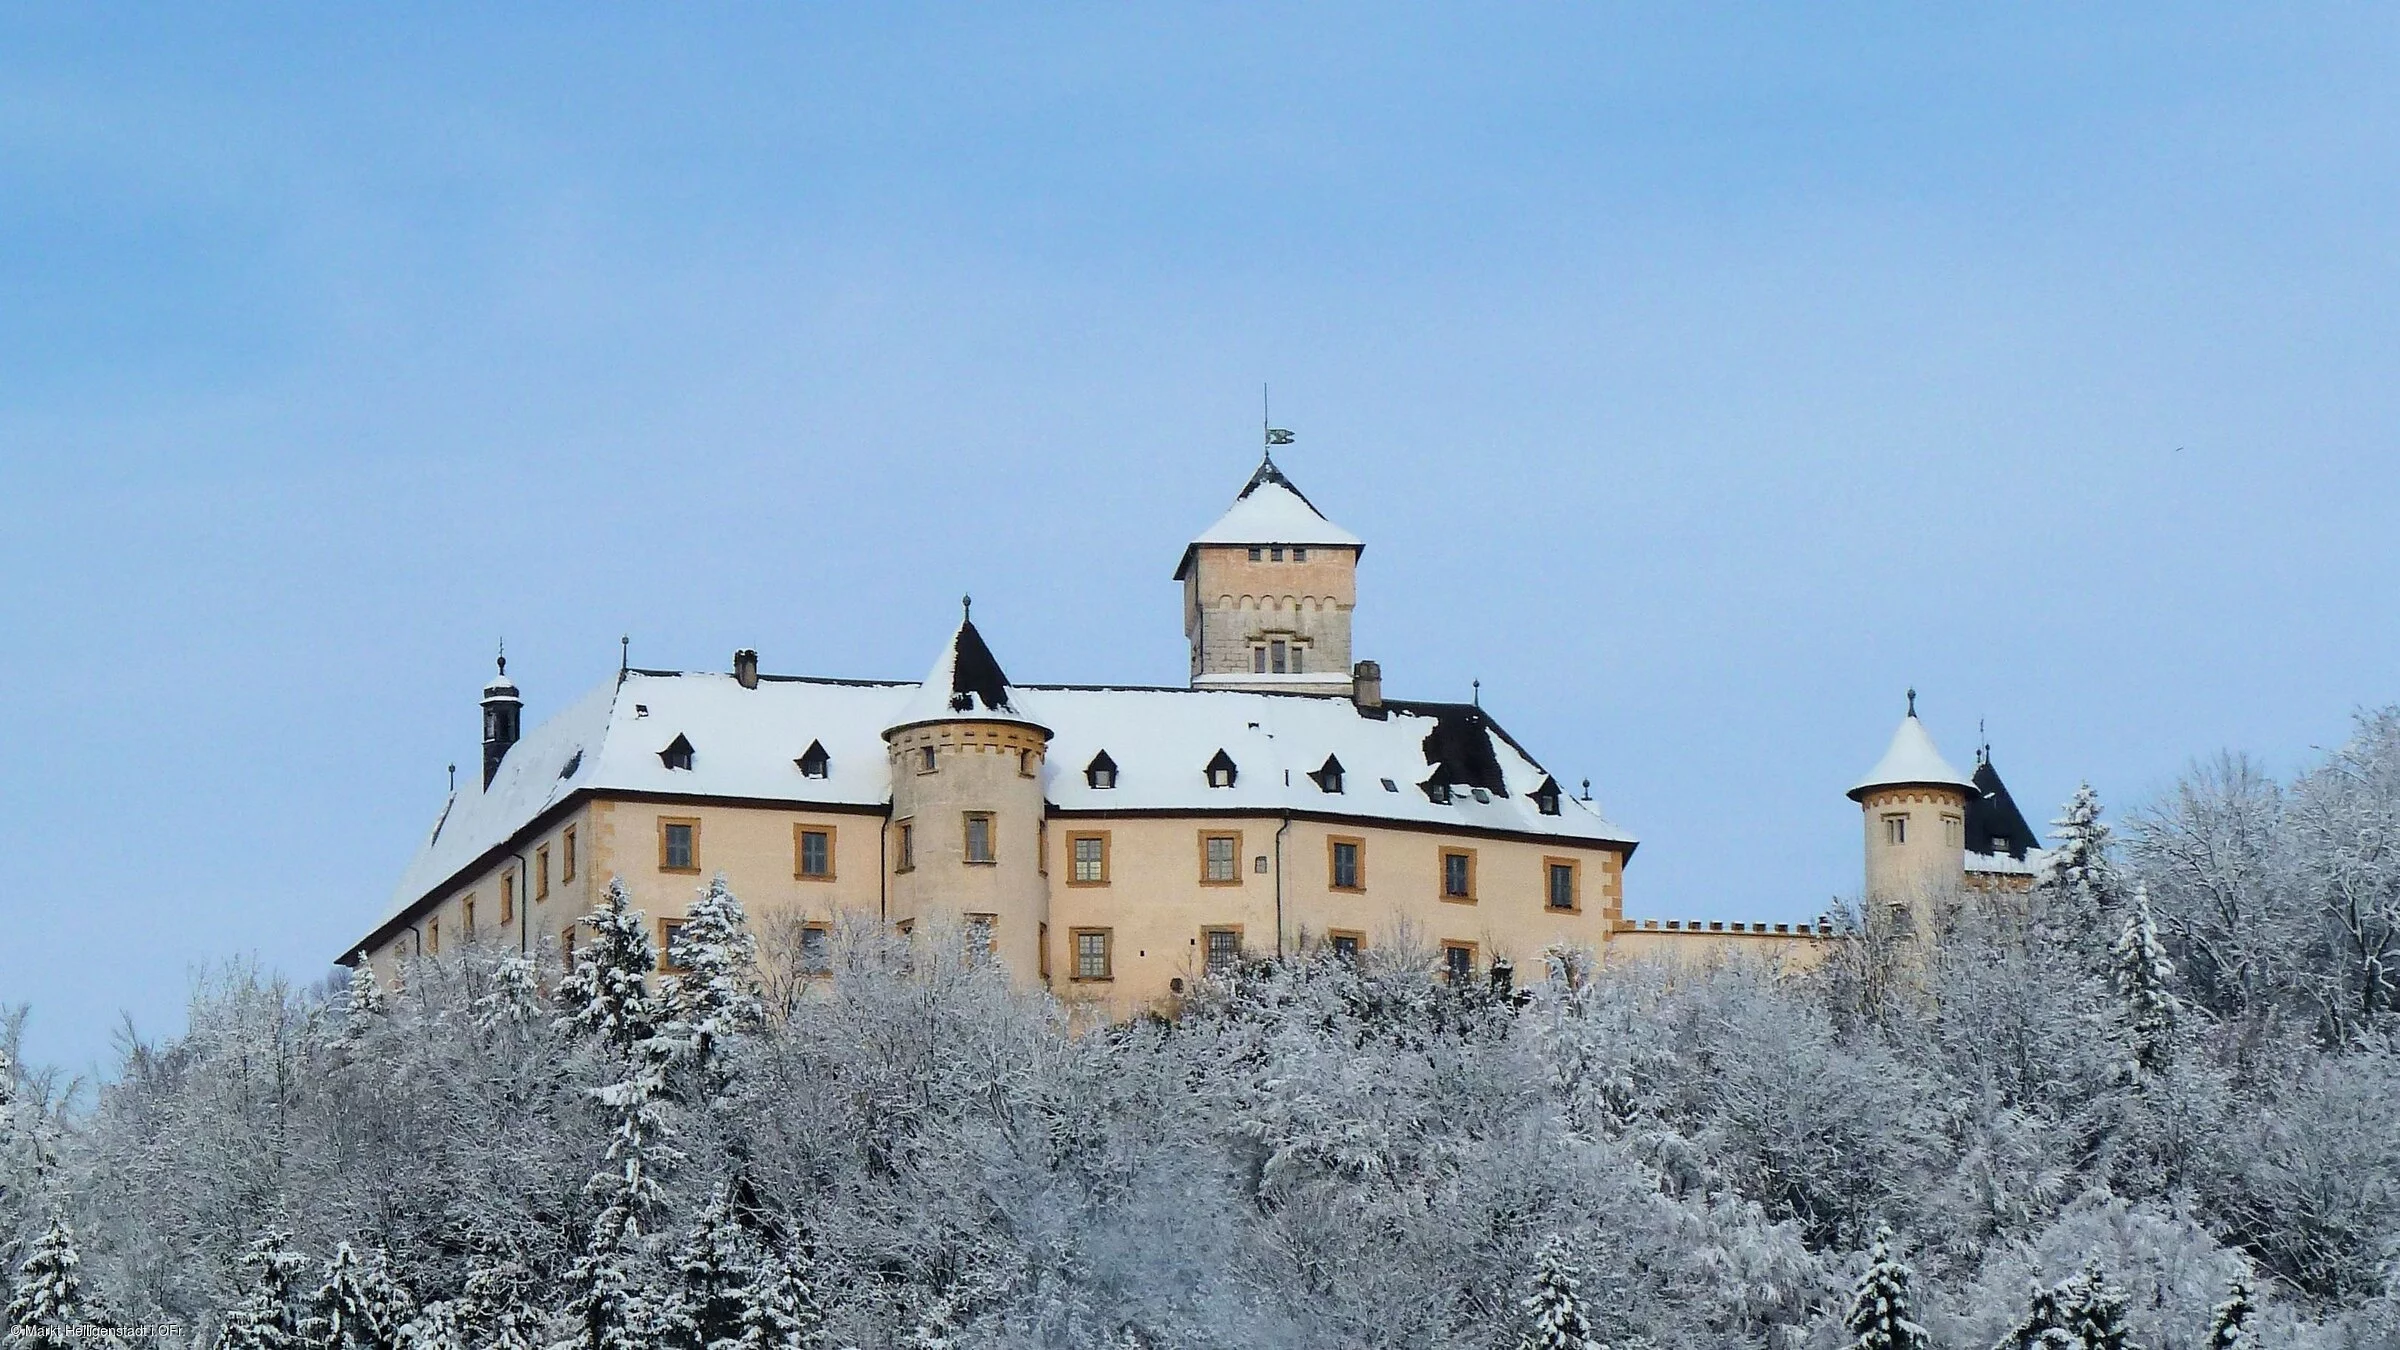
(1108, 954)
(1075, 875)
(801, 829)
(1574, 868)
(991, 838)
(904, 850)
(1441, 879)
(1474, 951)
(1233, 874)
(691, 869)
(1208, 933)
(1333, 870)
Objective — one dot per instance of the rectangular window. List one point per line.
(433, 937)
(1458, 961)
(670, 946)
(1952, 831)
(1275, 555)
(979, 836)
(1345, 945)
(1092, 954)
(816, 949)
(1895, 829)
(904, 851)
(1258, 660)
(1090, 858)
(925, 760)
(566, 855)
(978, 933)
(541, 873)
(1224, 947)
(1257, 555)
(566, 946)
(1042, 940)
(1561, 888)
(1279, 657)
(1025, 764)
(1220, 856)
(1346, 863)
(1041, 847)
(1458, 874)
(1299, 555)
(466, 913)
(1297, 649)
(678, 845)
(508, 898)
(812, 852)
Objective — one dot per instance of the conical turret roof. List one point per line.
(1911, 761)
(965, 684)
(1271, 510)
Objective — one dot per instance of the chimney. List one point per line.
(1366, 687)
(745, 668)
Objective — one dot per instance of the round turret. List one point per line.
(1915, 807)
(502, 709)
(968, 811)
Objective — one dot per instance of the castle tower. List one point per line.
(967, 806)
(1267, 593)
(1915, 809)
(501, 709)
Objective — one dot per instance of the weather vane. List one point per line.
(1274, 435)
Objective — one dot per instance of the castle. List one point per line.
(1110, 843)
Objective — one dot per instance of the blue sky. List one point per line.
(1699, 380)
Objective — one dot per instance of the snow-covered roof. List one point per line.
(2008, 865)
(966, 681)
(746, 743)
(1911, 761)
(1271, 510)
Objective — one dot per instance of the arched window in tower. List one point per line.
(1221, 771)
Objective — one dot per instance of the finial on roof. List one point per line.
(504, 656)
(966, 609)
(454, 778)
(1912, 702)
(1478, 693)
(1587, 789)
(624, 655)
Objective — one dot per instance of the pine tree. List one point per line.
(2077, 869)
(2095, 1311)
(1878, 1317)
(716, 996)
(2235, 1325)
(49, 1310)
(714, 1273)
(1552, 1307)
(495, 1310)
(263, 1318)
(610, 1308)
(2045, 1324)
(359, 1306)
(2143, 979)
(780, 1310)
(513, 999)
(607, 995)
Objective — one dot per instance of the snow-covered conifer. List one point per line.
(607, 995)
(359, 1306)
(49, 1310)
(264, 1318)
(716, 994)
(495, 1311)
(713, 1274)
(2144, 977)
(2077, 868)
(780, 1310)
(2235, 1323)
(1879, 1313)
(2095, 1311)
(2044, 1326)
(514, 998)
(1555, 1313)
(609, 1307)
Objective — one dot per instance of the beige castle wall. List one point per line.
(1694, 946)
(1933, 859)
(1156, 905)
(1230, 601)
(982, 767)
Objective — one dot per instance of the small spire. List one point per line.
(1478, 693)
(966, 609)
(624, 656)
(1912, 702)
(1587, 789)
(504, 656)
(454, 778)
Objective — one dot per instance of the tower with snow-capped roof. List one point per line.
(1915, 812)
(1268, 591)
(502, 706)
(968, 816)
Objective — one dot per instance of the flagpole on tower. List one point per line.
(1269, 434)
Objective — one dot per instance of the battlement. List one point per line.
(1823, 928)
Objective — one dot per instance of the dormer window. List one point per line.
(1101, 773)
(1329, 778)
(1221, 771)
(678, 754)
(814, 762)
(1437, 792)
(1545, 797)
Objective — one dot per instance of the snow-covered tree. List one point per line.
(607, 994)
(2078, 869)
(1552, 1308)
(2234, 1325)
(715, 996)
(780, 1309)
(2144, 980)
(714, 1272)
(514, 999)
(49, 1309)
(359, 1306)
(1879, 1317)
(266, 1317)
(2096, 1311)
(2044, 1326)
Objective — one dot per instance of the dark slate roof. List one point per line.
(1459, 748)
(976, 672)
(1993, 815)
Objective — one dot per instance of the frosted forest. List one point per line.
(2155, 1103)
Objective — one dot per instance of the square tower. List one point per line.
(1268, 591)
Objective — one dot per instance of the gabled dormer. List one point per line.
(814, 762)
